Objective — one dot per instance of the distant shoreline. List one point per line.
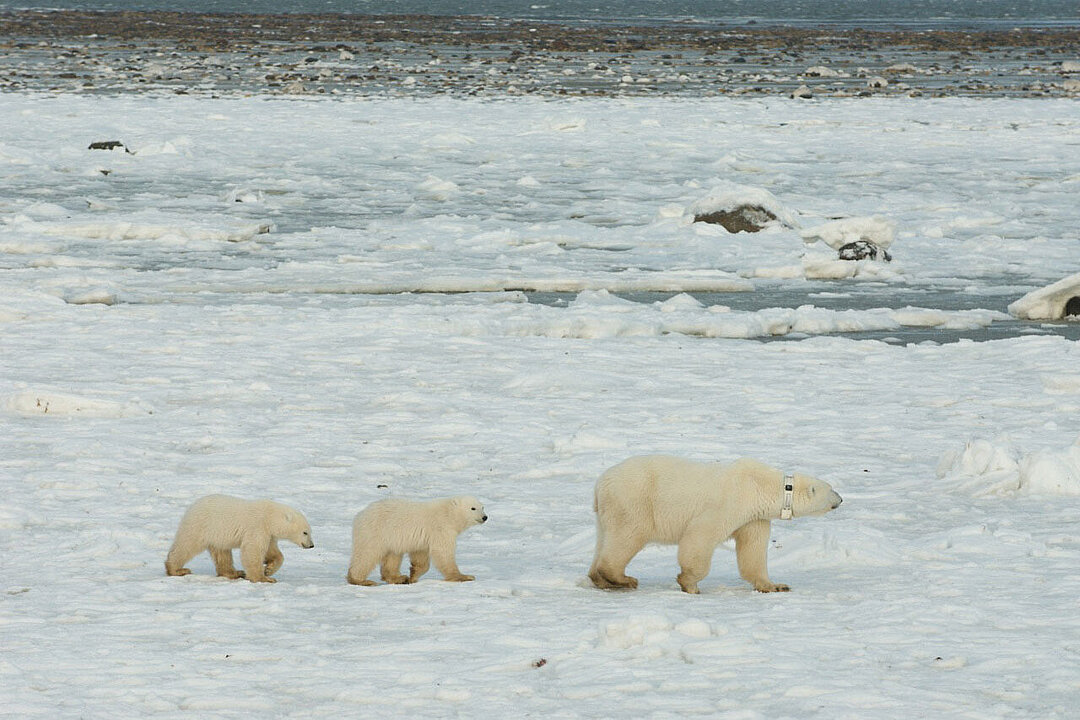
(708, 16)
(536, 34)
(297, 54)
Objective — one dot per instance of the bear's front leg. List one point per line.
(751, 552)
(253, 556)
(274, 558)
(447, 564)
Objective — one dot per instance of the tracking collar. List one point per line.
(789, 493)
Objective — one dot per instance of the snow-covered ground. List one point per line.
(157, 344)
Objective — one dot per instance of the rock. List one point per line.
(741, 208)
(745, 218)
(863, 250)
(802, 92)
(107, 145)
(877, 82)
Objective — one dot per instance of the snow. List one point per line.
(987, 467)
(1048, 303)
(156, 345)
(837, 233)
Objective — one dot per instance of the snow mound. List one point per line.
(118, 231)
(1052, 473)
(636, 631)
(649, 637)
(838, 233)
(94, 296)
(1052, 302)
(758, 204)
(983, 468)
(435, 188)
(37, 402)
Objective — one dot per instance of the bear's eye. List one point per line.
(813, 490)
(474, 508)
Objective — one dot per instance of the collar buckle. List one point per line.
(789, 494)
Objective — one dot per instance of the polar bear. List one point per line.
(697, 506)
(219, 523)
(387, 529)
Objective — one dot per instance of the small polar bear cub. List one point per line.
(697, 506)
(219, 523)
(386, 530)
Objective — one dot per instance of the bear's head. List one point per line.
(294, 526)
(471, 509)
(812, 497)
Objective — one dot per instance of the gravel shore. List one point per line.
(220, 54)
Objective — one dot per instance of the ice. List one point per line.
(505, 298)
(1053, 302)
(838, 233)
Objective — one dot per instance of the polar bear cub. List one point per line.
(387, 529)
(219, 523)
(697, 506)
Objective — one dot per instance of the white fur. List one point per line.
(219, 523)
(669, 500)
(388, 529)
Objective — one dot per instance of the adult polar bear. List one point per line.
(670, 500)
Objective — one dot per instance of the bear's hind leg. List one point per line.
(360, 567)
(223, 563)
(390, 569)
(419, 562)
(253, 558)
(751, 552)
(182, 550)
(618, 549)
(594, 570)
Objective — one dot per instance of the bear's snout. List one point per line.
(836, 500)
(308, 546)
(483, 519)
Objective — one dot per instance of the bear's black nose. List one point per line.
(483, 519)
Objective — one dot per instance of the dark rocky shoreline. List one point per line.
(94, 52)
